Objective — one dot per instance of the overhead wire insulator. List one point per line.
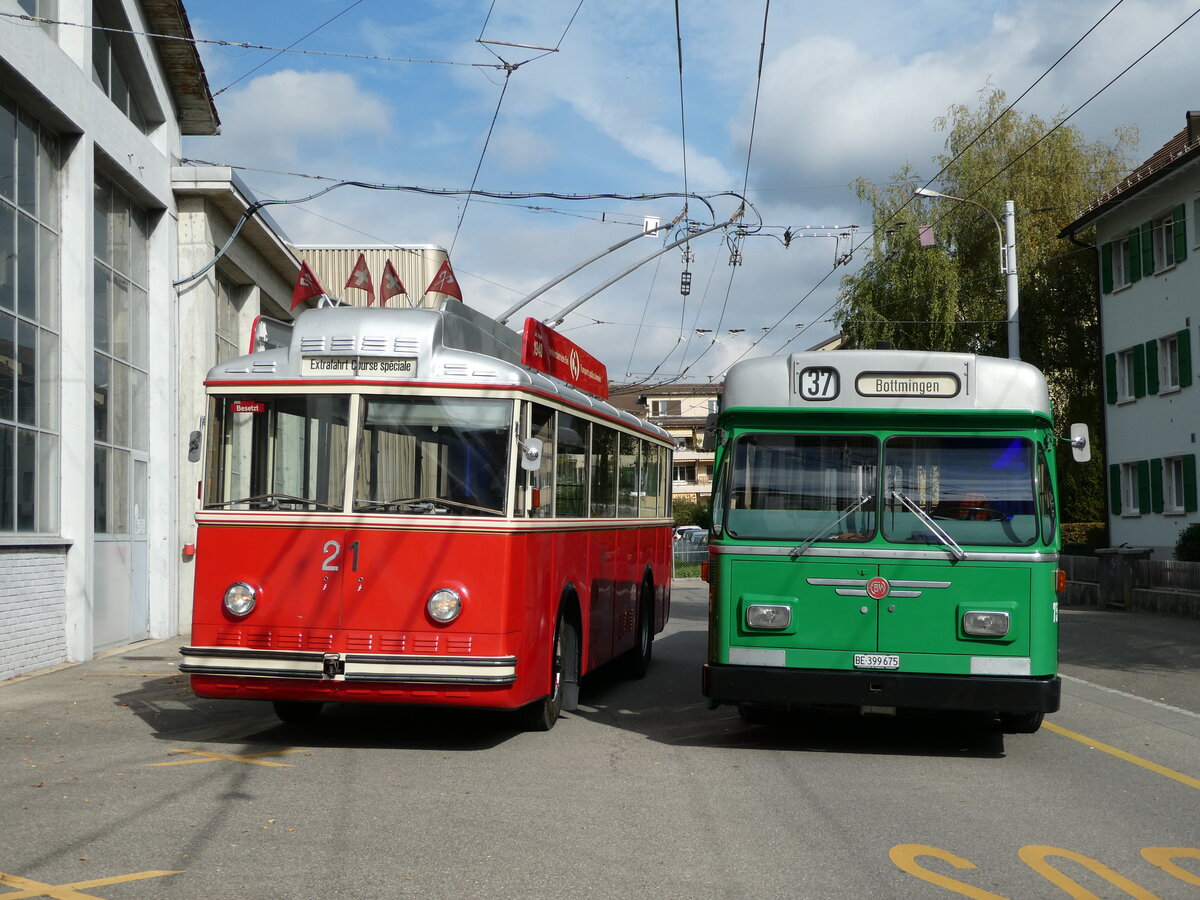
(685, 282)
(735, 257)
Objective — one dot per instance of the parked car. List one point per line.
(682, 530)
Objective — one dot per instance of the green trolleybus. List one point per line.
(885, 536)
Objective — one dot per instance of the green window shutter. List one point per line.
(1133, 256)
(1106, 282)
(1151, 367)
(1180, 232)
(1156, 481)
(1139, 370)
(1189, 482)
(1184, 341)
(1110, 377)
(1148, 248)
(1114, 489)
(1143, 477)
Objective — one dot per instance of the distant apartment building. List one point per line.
(682, 409)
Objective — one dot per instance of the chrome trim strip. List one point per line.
(876, 553)
(256, 663)
(431, 669)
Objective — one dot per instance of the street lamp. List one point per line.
(1008, 261)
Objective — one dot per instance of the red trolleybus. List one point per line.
(400, 507)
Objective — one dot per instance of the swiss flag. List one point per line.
(444, 282)
(307, 286)
(390, 284)
(360, 278)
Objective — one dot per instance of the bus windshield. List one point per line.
(978, 490)
(803, 487)
(436, 455)
(277, 452)
(825, 487)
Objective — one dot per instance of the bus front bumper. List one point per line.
(800, 688)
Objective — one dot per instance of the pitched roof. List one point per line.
(1179, 151)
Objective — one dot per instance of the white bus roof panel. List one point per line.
(887, 380)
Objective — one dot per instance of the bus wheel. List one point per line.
(564, 681)
(297, 712)
(637, 660)
(1020, 723)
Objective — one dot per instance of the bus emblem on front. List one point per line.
(877, 588)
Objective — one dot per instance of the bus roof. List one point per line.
(452, 345)
(885, 380)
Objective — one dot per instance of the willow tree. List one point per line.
(947, 292)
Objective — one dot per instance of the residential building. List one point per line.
(682, 409)
(1149, 264)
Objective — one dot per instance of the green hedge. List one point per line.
(1083, 538)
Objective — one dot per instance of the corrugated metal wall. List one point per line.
(416, 264)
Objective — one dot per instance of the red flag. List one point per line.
(390, 284)
(444, 282)
(360, 277)
(307, 286)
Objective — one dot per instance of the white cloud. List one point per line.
(290, 116)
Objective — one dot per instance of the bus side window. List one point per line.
(541, 482)
(570, 473)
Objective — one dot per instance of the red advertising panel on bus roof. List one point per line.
(546, 350)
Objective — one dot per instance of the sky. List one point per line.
(614, 99)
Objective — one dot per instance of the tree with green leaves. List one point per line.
(949, 293)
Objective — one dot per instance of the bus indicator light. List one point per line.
(877, 588)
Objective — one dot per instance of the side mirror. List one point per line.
(531, 454)
(709, 442)
(1081, 445)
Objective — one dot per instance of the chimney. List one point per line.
(1193, 126)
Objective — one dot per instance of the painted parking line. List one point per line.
(1121, 754)
(27, 887)
(254, 759)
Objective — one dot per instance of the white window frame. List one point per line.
(1126, 368)
(1120, 275)
(1163, 237)
(1130, 501)
(1172, 486)
(1168, 363)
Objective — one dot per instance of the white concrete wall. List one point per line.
(53, 82)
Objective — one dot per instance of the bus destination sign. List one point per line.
(358, 366)
(930, 385)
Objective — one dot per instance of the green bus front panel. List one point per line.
(919, 619)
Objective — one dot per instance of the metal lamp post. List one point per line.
(1008, 261)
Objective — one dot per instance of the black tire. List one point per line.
(564, 681)
(637, 660)
(1020, 723)
(297, 712)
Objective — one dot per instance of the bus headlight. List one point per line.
(985, 624)
(444, 605)
(769, 617)
(240, 599)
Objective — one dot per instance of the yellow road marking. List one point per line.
(205, 756)
(1120, 754)
(27, 887)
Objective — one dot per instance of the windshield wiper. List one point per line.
(426, 505)
(272, 500)
(956, 551)
(825, 529)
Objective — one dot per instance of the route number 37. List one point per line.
(817, 383)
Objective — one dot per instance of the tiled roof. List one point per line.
(1173, 154)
